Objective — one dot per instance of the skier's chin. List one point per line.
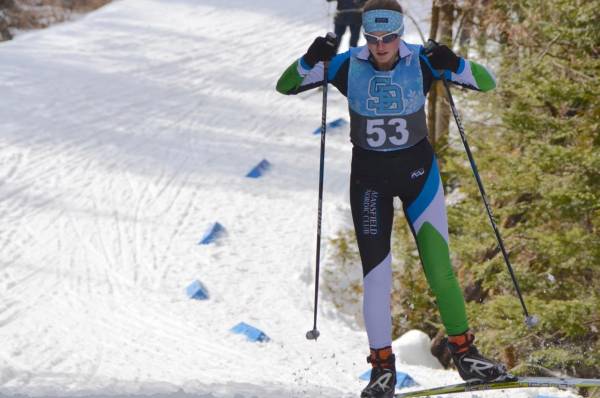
(382, 58)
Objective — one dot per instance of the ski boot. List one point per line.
(471, 365)
(383, 374)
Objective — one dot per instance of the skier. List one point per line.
(348, 15)
(386, 83)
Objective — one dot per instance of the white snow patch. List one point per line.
(414, 348)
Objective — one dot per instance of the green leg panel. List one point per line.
(435, 255)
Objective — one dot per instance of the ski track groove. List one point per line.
(136, 240)
(176, 232)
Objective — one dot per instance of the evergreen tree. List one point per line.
(538, 155)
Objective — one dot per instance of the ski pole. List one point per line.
(314, 333)
(530, 320)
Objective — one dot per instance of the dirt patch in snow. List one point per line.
(38, 14)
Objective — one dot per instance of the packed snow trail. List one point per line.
(123, 135)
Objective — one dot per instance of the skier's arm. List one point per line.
(307, 72)
(458, 70)
(472, 75)
(299, 76)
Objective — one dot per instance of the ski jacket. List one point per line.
(349, 12)
(387, 108)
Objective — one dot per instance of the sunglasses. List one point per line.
(387, 38)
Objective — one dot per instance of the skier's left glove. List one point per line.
(322, 49)
(441, 57)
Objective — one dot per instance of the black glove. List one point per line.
(441, 57)
(322, 49)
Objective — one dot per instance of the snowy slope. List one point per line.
(123, 135)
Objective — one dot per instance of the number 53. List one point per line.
(378, 136)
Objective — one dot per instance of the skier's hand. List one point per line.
(322, 49)
(441, 57)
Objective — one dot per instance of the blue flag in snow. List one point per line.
(197, 291)
(214, 232)
(260, 169)
(331, 125)
(252, 334)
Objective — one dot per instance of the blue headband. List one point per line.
(383, 21)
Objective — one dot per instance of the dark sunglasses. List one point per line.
(387, 38)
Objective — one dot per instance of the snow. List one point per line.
(413, 348)
(122, 136)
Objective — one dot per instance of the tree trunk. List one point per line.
(466, 27)
(442, 111)
(431, 104)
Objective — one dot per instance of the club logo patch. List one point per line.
(385, 97)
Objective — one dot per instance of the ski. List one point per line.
(521, 382)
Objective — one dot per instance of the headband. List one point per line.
(383, 21)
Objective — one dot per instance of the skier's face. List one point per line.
(384, 53)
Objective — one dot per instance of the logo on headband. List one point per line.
(381, 20)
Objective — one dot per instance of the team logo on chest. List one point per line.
(385, 97)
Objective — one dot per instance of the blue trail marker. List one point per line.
(197, 291)
(214, 232)
(260, 169)
(252, 334)
(332, 125)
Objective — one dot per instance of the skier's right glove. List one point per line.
(322, 49)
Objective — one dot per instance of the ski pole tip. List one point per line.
(312, 334)
(532, 321)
